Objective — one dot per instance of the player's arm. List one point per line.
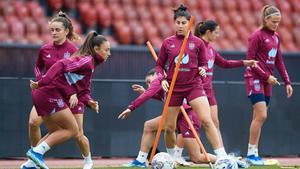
(154, 88)
(39, 66)
(161, 61)
(223, 63)
(283, 73)
(51, 74)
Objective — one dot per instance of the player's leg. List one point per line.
(259, 116)
(34, 130)
(179, 149)
(201, 107)
(34, 134)
(194, 151)
(170, 127)
(83, 142)
(67, 128)
(150, 128)
(215, 118)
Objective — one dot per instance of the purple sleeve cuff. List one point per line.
(131, 107)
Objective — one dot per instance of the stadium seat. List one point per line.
(153, 19)
(70, 4)
(130, 13)
(140, 3)
(104, 17)
(55, 5)
(124, 34)
(138, 35)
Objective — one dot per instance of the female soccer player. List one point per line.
(264, 46)
(62, 31)
(188, 84)
(66, 77)
(155, 91)
(208, 31)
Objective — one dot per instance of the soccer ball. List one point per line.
(226, 163)
(163, 160)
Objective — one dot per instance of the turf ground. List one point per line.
(114, 163)
(264, 167)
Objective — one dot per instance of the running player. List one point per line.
(65, 78)
(62, 31)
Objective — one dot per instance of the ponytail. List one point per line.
(67, 23)
(202, 27)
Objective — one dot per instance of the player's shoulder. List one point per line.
(46, 46)
(170, 39)
(71, 45)
(277, 34)
(196, 39)
(257, 32)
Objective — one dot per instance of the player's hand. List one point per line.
(202, 72)
(289, 90)
(73, 101)
(33, 84)
(124, 114)
(94, 105)
(138, 88)
(165, 85)
(251, 63)
(273, 80)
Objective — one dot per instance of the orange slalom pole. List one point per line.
(187, 119)
(152, 51)
(164, 113)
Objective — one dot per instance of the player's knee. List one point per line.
(147, 127)
(261, 117)
(169, 129)
(79, 136)
(207, 123)
(35, 122)
(74, 131)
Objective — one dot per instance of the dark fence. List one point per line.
(111, 86)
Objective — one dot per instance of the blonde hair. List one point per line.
(67, 23)
(269, 11)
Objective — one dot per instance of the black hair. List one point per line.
(181, 11)
(202, 27)
(151, 72)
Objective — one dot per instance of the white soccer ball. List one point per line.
(226, 163)
(163, 160)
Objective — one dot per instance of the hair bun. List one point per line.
(61, 14)
(95, 33)
(182, 8)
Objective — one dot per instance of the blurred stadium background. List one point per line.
(129, 24)
(132, 22)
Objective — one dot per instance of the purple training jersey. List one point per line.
(264, 46)
(49, 54)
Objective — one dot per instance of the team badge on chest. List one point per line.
(66, 55)
(256, 85)
(60, 103)
(191, 46)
